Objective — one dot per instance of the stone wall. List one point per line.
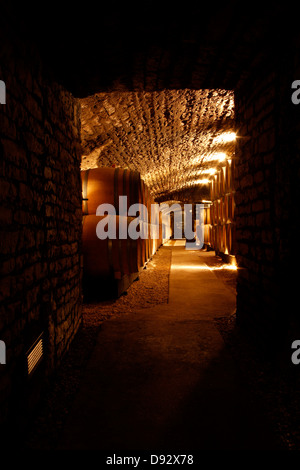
(40, 217)
(267, 200)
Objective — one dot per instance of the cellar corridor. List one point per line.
(109, 118)
(161, 378)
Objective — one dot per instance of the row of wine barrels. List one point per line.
(220, 237)
(223, 181)
(114, 256)
(105, 185)
(207, 215)
(230, 238)
(222, 210)
(207, 234)
(110, 259)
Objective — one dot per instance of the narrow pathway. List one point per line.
(161, 378)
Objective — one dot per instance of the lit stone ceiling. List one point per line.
(174, 138)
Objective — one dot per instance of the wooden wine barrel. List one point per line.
(150, 242)
(212, 214)
(223, 239)
(146, 222)
(105, 185)
(216, 211)
(226, 207)
(143, 216)
(212, 190)
(228, 176)
(207, 234)
(206, 215)
(231, 206)
(213, 237)
(220, 211)
(217, 185)
(215, 218)
(223, 181)
(109, 258)
(229, 238)
(160, 239)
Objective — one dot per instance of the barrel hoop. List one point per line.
(84, 192)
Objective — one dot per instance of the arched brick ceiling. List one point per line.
(170, 136)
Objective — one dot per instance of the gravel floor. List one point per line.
(151, 289)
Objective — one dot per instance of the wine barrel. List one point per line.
(216, 211)
(220, 246)
(226, 207)
(223, 239)
(216, 237)
(213, 190)
(217, 185)
(228, 176)
(207, 234)
(105, 185)
(220, 211)
(222, 204)
(213, 213)
(223, 180)
(109, 258)
(229, 238)
(231, 207)
(160, 240)
(206, 215)
(143, 219)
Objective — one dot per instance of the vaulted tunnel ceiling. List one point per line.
(174, 138)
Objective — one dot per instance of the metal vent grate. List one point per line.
(35, 355)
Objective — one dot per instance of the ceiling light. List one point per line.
(220, 156)
(209, 171)
(225, 137)
(201, 181)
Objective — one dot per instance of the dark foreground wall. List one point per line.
(267, 198)
(41, 221)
